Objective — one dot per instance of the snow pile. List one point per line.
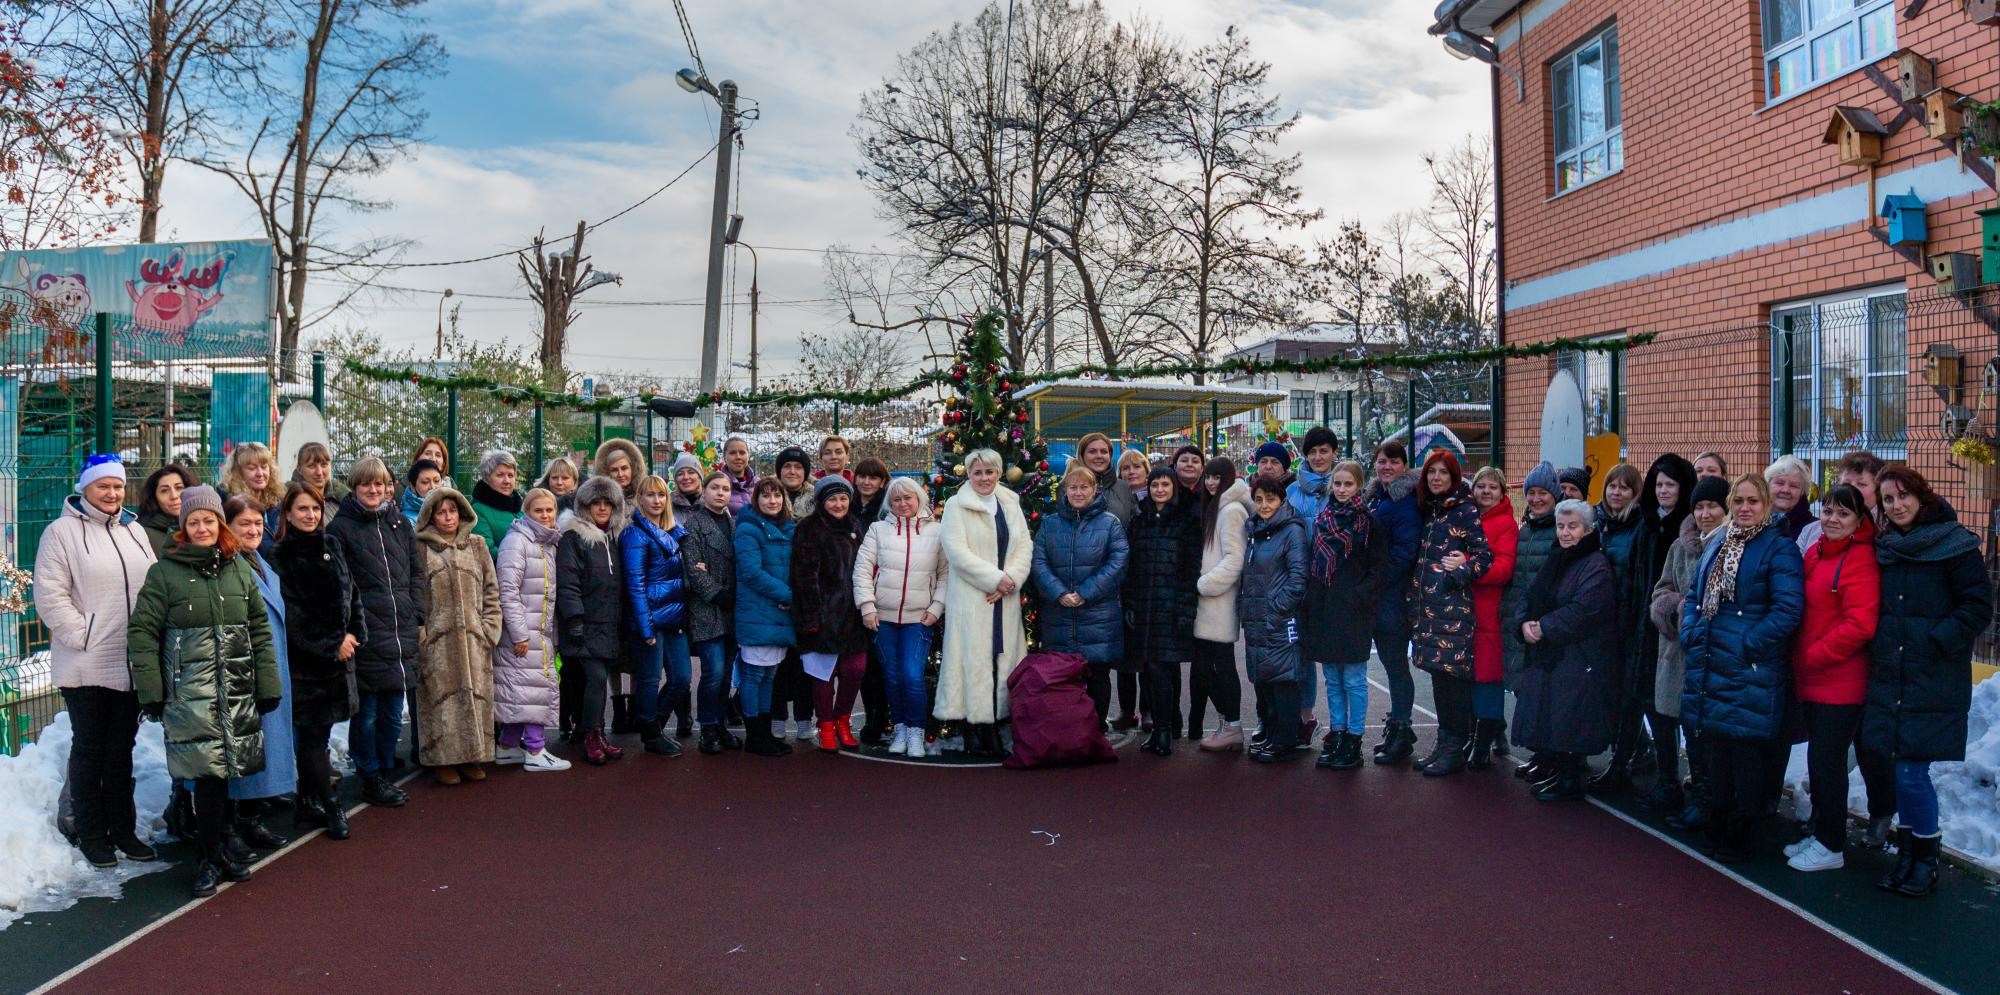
(39, 870)
(1969, 792)
(336, 743)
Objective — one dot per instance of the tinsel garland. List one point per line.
(511, 393)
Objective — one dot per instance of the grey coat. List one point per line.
(1269, 595)
(1683, 559)
(711, 592)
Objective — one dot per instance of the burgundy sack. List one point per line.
(1054, 721)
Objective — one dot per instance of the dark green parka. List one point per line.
(200, 643)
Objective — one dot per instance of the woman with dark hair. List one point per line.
(1343, 580)
(1225, 516)
(590, 602)
(708, 570)
(203, 663)
(1451, 554)
(1565, 695)
(1936, 600)
(763, 546)
(322, 632)
(1843, 592)
(423, 478)
(871, 483)
(1188, 466)
(1737, 622)
(1663, 506)
(833, 643)
(160, 504)
(1272, 591)
(1160, 597)
(1708, 512)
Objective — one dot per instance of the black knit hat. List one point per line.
(794, 454)
(1711, 489)
(1578, 475)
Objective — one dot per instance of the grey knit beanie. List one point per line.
(200, 497)
(1544, 477)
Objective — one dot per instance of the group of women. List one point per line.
(1685, 605)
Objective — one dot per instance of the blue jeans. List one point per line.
(1916, 797)
(668, 653)
(903, 647)
(714, 681)
(1346, 696)
(1393, 646)
(754, 683)
(1489, 701)
(372, 735)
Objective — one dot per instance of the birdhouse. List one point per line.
(1989, 245)
(1955, 271)
(1915, 75)
(1983, 11)
(1904, 213)
(1858, 133)
(1943, 117)
(1943, 367)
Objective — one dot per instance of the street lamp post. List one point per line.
(730, 236)
(711, 329)
(439, 354)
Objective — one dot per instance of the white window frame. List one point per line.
(1601, 371)
(1606, 147)
(1826, 24)
(1853, 316)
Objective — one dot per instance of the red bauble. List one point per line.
(1034, 516)
(938, 479)
(1043, 465)
(416, 379)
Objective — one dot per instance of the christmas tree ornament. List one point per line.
(1013, 474)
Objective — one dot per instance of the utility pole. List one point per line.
(1049, 306)
(711, 330)
(753, 323)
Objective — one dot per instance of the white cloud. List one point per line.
(1375, 92)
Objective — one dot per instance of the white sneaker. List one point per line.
(930, 748)
(1793, 849)
(803, 731)
(509, 755)
(899, 740)
(1816, 857)
(544, 760)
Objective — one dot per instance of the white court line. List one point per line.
(143, 931)
(1776, 899)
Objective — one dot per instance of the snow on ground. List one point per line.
(39, 870)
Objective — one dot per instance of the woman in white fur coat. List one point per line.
(990, 551)
(1225, 513)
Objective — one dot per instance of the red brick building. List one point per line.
(1664, 167)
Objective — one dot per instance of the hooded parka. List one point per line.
(1503, 537)
(708, 571)
(1567, 691)
(88, 570)
(1222, 566)
(1739, 662)
(1936, 600)
(590, 595)
(526, 687)
(1532, 548)
(763, 580)
(1654, 541)
(1670, 669)
(1082, 551)
(462, 627)
(381, 551)
(654, 572)
(1270, 595)
(199, 643)
(1843, 591)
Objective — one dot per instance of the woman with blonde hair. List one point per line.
(987, 544)
(899, 589)
(652, 571)
(251, 473)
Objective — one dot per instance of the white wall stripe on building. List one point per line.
(1933, 181)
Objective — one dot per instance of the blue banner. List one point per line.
(239, 410)
(184, 300)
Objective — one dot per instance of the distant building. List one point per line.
(1311, 398)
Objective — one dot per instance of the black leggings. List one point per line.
(315, 765)
(1453, 697)
(792, 685)
(1666, 746)
(211, 811)
(1097, 682)
(1736, 768)
(1213, 676)
(1128, 693)
(596, 684)
(1830, 730)
(1163, 695)
(103, 722)
(1278, 712)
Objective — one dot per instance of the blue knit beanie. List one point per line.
(1544, 477)
(1276, 451)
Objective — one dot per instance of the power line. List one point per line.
(687, 33)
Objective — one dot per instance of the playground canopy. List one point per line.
(1134, 410)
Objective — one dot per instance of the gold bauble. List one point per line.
(1013, 474)
(958, 470)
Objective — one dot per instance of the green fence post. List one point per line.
(105, 437)
(649, 434)
(1411, 423)
(599, 429)
(1350, 423)
(1214, 427)
(836, 417)
(538, 441)
(1786, 428)
(451, 430)
(319, 381)
(1496, 423)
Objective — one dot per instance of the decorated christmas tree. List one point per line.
(983, 414)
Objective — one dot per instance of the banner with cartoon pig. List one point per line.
(167, 300)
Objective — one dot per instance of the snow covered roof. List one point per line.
(1135, 409)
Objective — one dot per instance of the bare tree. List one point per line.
(171, 72)
(347, 111)
(1230, 193)
(1460, 222)
(554, 282)
(853, 357)
(58, 160)
(1348, 277)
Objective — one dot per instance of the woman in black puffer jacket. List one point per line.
(322, 631)
(1160, 597)
(1936, 600)
(590, 602)
(832, 640)
(381, 552)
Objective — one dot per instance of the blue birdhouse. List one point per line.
(1905, 214)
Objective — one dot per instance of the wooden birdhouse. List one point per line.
(1943, 117)
(1943, 367)
(1955, 272)
(1858, 133)
(1915, 75)
(1904, 214)
(1983, 11)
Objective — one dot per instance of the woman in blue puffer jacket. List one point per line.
(1737, 621)
(656, 610)
(1080, 558)
(763, 542)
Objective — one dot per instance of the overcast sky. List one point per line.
(560, 110)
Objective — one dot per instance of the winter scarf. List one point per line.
(482, 494)
(1340, 529)
(1933, 538)
(1721, 584)
(1542, 593)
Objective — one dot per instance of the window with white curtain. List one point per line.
(1807, 42)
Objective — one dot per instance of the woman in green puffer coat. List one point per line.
(199, 645)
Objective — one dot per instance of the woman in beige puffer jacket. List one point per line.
(1225, 515)
(899, 578)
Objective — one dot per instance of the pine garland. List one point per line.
(511, 393)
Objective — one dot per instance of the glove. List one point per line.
(266, 706)
(154, 710)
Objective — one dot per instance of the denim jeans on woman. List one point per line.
(372, 735)
(669, 654)
(904, 646)
(754, 683)
(1916, 797)
(1346, 696)
(714, 684)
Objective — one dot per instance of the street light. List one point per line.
(440, 330)
(711, 328)
(1466, 45)
(729, 236)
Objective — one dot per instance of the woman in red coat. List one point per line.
(1830, 665)
(1496, 517)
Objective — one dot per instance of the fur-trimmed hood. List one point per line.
(599, 488)
(467, 518)
(640, 467)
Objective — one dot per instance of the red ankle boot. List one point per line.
(610, 752)
(829, 741)
(593, 748)
(843, 729)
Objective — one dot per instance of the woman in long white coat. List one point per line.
(987, 544)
